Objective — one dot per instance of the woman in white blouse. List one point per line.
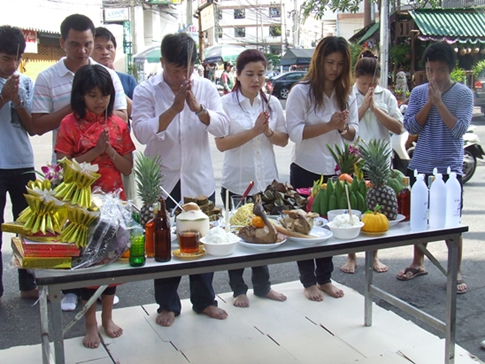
(256, 123)
(378, 117)
(321, 110)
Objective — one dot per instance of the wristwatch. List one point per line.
(19, 106)
(203, 110)
(343, 132)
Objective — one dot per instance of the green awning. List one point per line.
(453, 25)
(370, 32)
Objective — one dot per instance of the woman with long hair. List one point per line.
(321, 111)
(256, 124)
(378, 116)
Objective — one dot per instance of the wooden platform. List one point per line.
(295, 331)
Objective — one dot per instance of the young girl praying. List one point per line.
(93, 134)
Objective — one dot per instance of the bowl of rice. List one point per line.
(343, 228)
(334, 213)
(219, 243)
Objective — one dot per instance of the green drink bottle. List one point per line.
(137, 248)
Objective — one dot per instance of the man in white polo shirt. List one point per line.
(52, 90)
(52, 93)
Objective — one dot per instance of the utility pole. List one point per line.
(384, 40)
(367, 12)
(188, 21)
(201, 38)
(283, 26)
(134, 46)
(296, 26)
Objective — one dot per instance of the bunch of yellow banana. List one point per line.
(76, 186)
(41, 185)
(44, 213)
(76, 230)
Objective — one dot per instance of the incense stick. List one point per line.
(18, 51)
(189, 59)
(226, 223)
(375, 72)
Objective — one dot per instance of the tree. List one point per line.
(273, 60)
(317, 8)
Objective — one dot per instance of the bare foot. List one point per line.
(165, 318)
(331, 290)
(276, 296)
(91, 339)
(379, 267)
(111, 329)
(313, 294)
(215, 312)
(349, 266)
(241, 301)
(32, 294)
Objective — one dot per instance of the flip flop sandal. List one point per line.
(414, 271)
(458, 282)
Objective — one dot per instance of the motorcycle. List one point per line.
(473, 151)
(403, 149)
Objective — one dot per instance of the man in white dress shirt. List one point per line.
(173, 114)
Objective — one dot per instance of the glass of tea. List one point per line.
(189, 242)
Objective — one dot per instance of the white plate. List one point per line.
(320, 234)
(261, 247)
(319, 222)
(399, 218)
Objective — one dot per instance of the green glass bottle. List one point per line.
(137, 248)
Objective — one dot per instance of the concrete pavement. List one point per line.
(20, 322)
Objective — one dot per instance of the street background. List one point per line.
(20, 322)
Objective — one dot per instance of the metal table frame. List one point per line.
(53, 281)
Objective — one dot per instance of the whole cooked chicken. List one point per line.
(298, 220)
(264, 235)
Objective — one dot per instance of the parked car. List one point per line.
(479, 88)
(280, 85)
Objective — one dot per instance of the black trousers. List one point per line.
(315, 270)
(13, 182)
(201, 291)
(259, 276)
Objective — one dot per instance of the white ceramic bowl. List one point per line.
(345, 232)
(333, 213)
(219, 250)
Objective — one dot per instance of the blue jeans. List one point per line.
(14, 181)
(316, 270)
(201, 292)
(259, 278)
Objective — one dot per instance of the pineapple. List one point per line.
(377, 164)
(148, 180)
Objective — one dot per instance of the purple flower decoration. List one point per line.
(53, 173)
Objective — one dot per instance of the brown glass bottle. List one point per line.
(404, 199)
(149, 226)
(161, 234)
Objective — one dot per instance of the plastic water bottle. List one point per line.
(453, 200)
(419, 204)
(437, 202)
